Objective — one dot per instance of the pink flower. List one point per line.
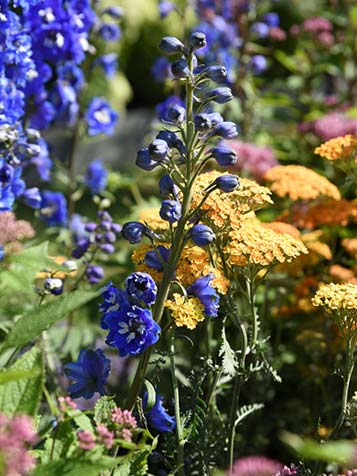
(252, 159)
(325, 38)
(334, 124)
(65, 403)
(86, 440)
(15, 435)
(126, 434)
(317, 24)
(256, 466)
(106, 436)
(277, 33)
(123, 417)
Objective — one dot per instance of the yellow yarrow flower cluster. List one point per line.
(300, 183)
(186, 311)
(337, 297)
(253, 243)
(339, 148)
(224, 209)
(193, 264)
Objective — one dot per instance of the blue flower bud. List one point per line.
(133, 231)
(169, 137)
(271, 19)
(94, 274)
(202, 122)
(216, 73)
(152, 260)
(198, 40)
(110, 237)
(219, 95)
(116, 228)
(53, 286)
(107, 248)
(258, 63)
(171, 45)
(114, 12)
(81, 248)
(32, 197)
(165, 8)
(215, 118)
(201, 235)
(261, 29)
(90, 227)
(226, 129)
(167, 187)
(6, 174)
(176, 114)
(226, 183)
(170, 210)
(158, 149)
(224, 155)
(180, 69)
(144, 160)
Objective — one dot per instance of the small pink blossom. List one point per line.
(253, 159)
(106, 436)
(86, 440)
(127, 435)
(65, 403)
(124, 417)
(317, 24)
(334, 124)
(277, 33)
(256, 465)
(15, 435)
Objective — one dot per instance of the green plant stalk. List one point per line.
(232, 421)
(176, 251)
(251, 299)
(179, 427)
(347, 376)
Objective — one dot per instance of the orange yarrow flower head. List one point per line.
(339, 148)
(224, 210)
(350, 245)
(340, 300)
(253, 244)
(300, 183)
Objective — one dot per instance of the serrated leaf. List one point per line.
(80, 419)
(40, 318)
(12, 375)
(74, 467)
(23, 396)
(134, 464)
(103, 409)
(247, 410)
(230, 363)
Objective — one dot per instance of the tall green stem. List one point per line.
(179, 428)
(347, 375)
(251, 298)
(177, 246)
(232, 421)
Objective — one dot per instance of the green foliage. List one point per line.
(7, 376)
(40, 318)
(341, 451)
(75, 467)
(134, 464)
(229, 362)
(23, 395)
(103, 409)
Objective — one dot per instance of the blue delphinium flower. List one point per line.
(110, 31)
(158, 417)
(163, 107)
(131, 329)
(161, 69)
(112, 299)
(224, 155)
(258, 63)
(96, 177)
(32, 197)
(165, 8)
(2, 253)
(89, 374)
(133, 231)
(208, 296)
(201, 235)
(152, 260)
(100, 117)
(53, 208)
(141, 287)
(170, 211)
(109, 63)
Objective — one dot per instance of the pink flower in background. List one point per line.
(16, 434)
(106, 436)
(277, 33)
(317, 24)
(334, 124)
(325, 38)
(86, 440)
(256, 466)
(252, 159)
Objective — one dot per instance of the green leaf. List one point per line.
(341, 451)
(11, 375)
(80, 419)
(287, 61)
(151, 393)
(103, 409)
(40, 318)
(134, 464)
(75, 467)
(23, 396)
(230, 363)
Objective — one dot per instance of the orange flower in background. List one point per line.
(325, 212)
(339, 148)
(225, 209)
(151, 217)
(58, 273)
(282, 227)
(350, 245)
(341, 274)
(300, 183)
